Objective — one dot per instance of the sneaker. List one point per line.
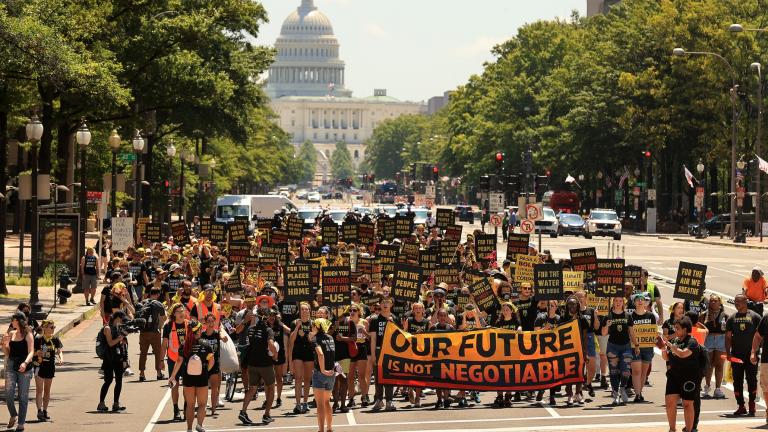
(365, 401)
(741, 411)
(304, 408)
(199, 428)
(160, 376)
(518, 398)
(47, 417)
(705, 392)
(390, 407)
(378, 405)
(142, 378)
(278, 402)
(569, 401)
(624, 396)
(128, 372)
(311, 404)
(603, 383)
(177, 415)
(539, 396)
(639, 399)
(616, 398)
(267, 419)
(446, 403)
(477, 397)
(462, 403)
(630, 391)
(718, 393)
(552, 401)
(244, 419)
(590, 391)
(343, 409)
(297, 409)
(40, 415)
(578, 399)
(116, 407)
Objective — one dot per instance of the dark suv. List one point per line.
(716, 224)
(464, 213)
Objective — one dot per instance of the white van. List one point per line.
(261, 206)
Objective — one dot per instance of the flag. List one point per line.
(688, 176)
(762, 164)
(570, 179)
(624, 177)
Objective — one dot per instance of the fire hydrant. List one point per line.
(63, 292)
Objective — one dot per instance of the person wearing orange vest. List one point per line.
(174, 334)
(187, 299)
(207, 306)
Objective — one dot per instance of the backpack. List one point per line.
(102, 347)
(148, 313)
(194, 365)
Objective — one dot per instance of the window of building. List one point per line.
(355, 136)
(357, 154)
(293, 122)
(326, 137)
(314, 135)
(343, 137)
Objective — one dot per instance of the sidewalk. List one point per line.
(752, 242)
(11, 245)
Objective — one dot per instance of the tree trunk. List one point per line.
(47, 96)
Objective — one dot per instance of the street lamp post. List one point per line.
(758, 144)
(138, 147)
(34, 132)
(171, 152)
(680, 52)
(740, 165)
(114, 143)
(702, 205)
(188, 157)
(83, 138)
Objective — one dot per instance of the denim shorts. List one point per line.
(645, 356)
(715, 342)
(322, 382)
(591, 351)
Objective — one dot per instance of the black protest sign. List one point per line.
(349, 232)
(274, 254)
(252, 264)
(238, 231)
(517, 244)
(585, 260)
(446, 251)
(485, 247)
(241, 219)
(410, 250)
(633, 275)
(371, 267)
(330, 232)
(239, 252)
(336, 286)
(548, 281)
(407, 282)
(265, 227)
(205, 227)
(295, 227)
(233, 283)
(268, 273)
(365, 233)
(154, 232)
(449, 275)
(218, 232)
(609, 278)
(403, 226)
(313, 252)
(453, 232)
(427, 262)
(279, 237)
(462, 300)
(387, 254)
(386, 228)
(180, 233)
(482, 292)
(314, 271)
(298, 282)
(689, 284)
(445, 218)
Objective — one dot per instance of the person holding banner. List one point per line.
(618, 327)
(378, 324)
(572, 312)
(740, 331)
(414, 324)
(592, 322)
(643, 323)
(509, 320)
(441, 325)
(547, 320)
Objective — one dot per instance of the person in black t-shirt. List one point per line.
(48, 354)
(683, 375)
(740, 331)
(261, 353)
(572, 312)
(526, 306)
(618, 327)
(139, 278)
(760, 345)
(378, 325)
(323, 376)
(344, 333)
(195, 367)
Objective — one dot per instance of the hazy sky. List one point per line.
(417, 49)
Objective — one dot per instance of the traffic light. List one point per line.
(512, 183)
(499, 162)
(542, 183)
(485, 183)
(647, 154)
(435, 173)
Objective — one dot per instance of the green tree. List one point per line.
(341, 162)
(306, 159)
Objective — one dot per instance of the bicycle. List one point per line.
(231, 385)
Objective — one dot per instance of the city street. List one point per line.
(76, 387)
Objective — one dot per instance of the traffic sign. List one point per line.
(527, 226)
(496, 202)
(430, 191)
(496, 220)
(534, 212)
(127, 157)
(651, 194)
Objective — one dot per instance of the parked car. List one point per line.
(390, 210)
(420, 214)
(716, 224)
(313, 197)
(572, 224)
(549, 225)
(603, 222)
(309, 215)
(337, 216)
(464, 213)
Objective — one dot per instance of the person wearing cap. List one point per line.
(174, 335)
(324, 373)
(153, 311)
(756, 290)
(262, 351)
(89, 271)
(197, 360)
(208, 306)
(642, 357)
(174, 280)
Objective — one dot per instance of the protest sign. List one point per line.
(370, 266)
(295, 227)
(449, 275)
(330, 232)
(548, 281)
(274, 254)
(239, 252)
(403, 226)
(517, 244)
(485, 360)
(427, 262)
(410, 250)
(298, 282)
(689, 284)
(632, 274)
(279, 236)
(205, 227)
(585, 260)
(609, 277)
(141, 226)
(445, 218)
(482, 292)
(463, 300)
(573, 281)
(453, 232)
(336, 286)
(406, 284)
(154, 232)
(234, 283)
(386, 228)
(218, 233)
(180, 232)
(349, 232)
(601, 305)
(122, 233)
(238, 231)
(646, 334)
(365, 233)
(524, 267)
(388, 256)
(485, 247)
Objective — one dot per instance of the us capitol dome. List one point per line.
(307, 88)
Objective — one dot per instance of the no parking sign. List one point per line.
(527, 226)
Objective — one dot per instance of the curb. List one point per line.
(88, 314)
(736, 245)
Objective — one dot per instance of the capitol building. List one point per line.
(306, 85)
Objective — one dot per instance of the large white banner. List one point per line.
(122, 233)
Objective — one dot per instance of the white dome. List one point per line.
(306, 19)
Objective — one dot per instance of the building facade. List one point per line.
(596, 7)
(306, 85)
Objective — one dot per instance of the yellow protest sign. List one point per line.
(646, 334)
(524, 267)
(573, 280)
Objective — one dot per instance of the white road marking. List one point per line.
(351, 418)
(552, 411)
(511, 419)
(158, 411)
